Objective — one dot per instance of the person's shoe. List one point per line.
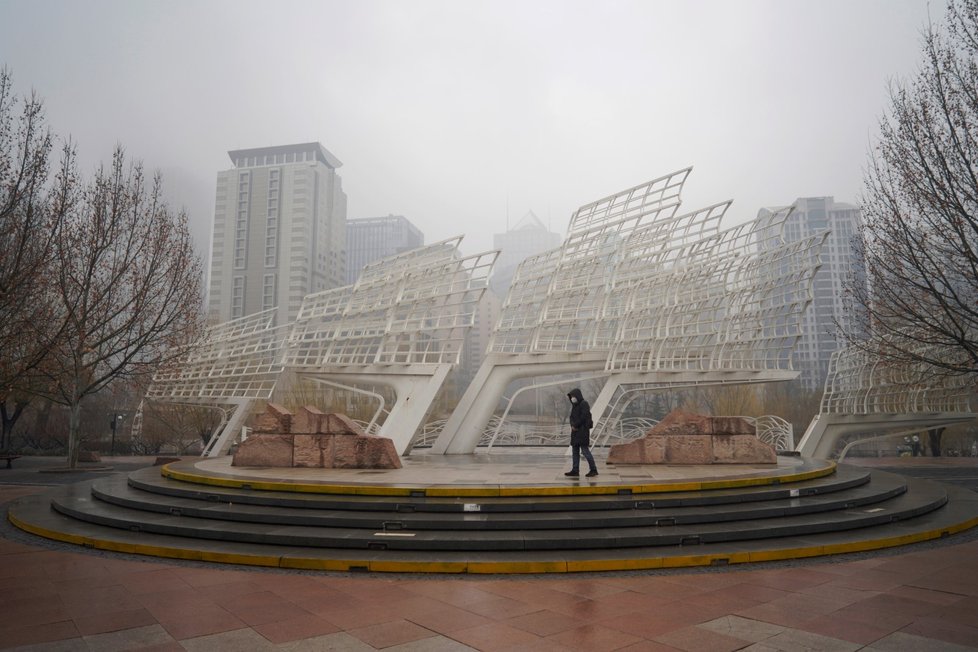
(571, 474)
(591, 473)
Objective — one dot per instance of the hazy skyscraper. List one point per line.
(527, 238)
(477, 338)
(279, 231)
(372, 238)
(819, 340)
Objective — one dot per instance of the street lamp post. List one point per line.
(113, 424)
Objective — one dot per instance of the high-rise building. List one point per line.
(279, 231)
(527, 238)
(819, 337)
(372, 238)
(477, 338)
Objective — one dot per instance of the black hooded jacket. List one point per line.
(580, 419)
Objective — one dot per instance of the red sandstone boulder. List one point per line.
(276, 419)
(265, 449)
(313, 439)
(309, 420)
(687, 438)
(680, 422)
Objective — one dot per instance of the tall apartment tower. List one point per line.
(279, 231)
(528, 237)
(819, 339)
(477, 338)
(372, 238)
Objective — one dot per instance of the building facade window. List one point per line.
(268, 292)
(241, 221)
(272, 221)
(237, 297)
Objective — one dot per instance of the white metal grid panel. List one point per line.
(640, 252)
(409, 309)
(660, 290)
(239, 359)
(556, 297)
(628, 205)
(859, 382)
(520, 313)
(718, 303)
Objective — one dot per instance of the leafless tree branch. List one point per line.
(919, 244)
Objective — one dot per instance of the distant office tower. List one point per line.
(279, 231)
(477, 338)
(372, 238)
(819, 337)
(528, 237)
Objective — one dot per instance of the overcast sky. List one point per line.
(459, 113)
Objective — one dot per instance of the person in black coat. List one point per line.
(581, 424)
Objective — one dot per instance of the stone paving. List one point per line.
(503, 466)
(54, 598)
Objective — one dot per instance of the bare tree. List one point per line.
(127, 288)
(182, 428)
(32, 210)
(11, 409)
(724, 400)
(920, 237)
(792, 401)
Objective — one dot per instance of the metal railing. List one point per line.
(770, 429)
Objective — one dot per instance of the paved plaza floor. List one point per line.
(511, 468)
(55, 597)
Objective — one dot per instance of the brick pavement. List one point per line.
(920, 599)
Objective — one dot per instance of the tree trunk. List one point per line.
(9, 419)
(74, 430)
(934, 437)
(43, 417)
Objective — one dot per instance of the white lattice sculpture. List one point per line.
(402, 324)
(652, 297)
(242, 358)
(868, 394)
(409, 309)
(638, 293)
(233, 364)
(557, 297)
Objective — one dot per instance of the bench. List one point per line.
(9, 458)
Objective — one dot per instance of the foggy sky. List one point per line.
(459, 113)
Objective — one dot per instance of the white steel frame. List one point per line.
(771, 429)
(233, 365)
(638, 292)
(402, 325)
(866, 395)
(651, 297)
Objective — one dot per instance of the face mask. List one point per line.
(573, 399)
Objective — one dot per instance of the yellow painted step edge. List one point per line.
(443, 491)
(493, 567)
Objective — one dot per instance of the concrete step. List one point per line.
(150, 480)
(34, 514)
(519, 514)
(887, 498)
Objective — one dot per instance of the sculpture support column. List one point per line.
(825, 430)
(467, 423)
(220, 442)
(415, 387)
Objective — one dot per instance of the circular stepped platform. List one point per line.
(342, 520)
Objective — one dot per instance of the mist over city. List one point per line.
(670, 307)
(463, 117)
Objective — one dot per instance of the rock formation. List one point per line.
(313, 439)
(687, 438)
